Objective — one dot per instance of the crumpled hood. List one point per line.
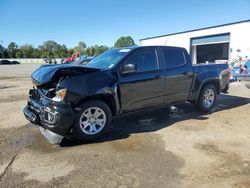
(47, 73)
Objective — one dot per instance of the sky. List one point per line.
(102, 22)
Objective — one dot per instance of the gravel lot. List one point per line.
(154, 148)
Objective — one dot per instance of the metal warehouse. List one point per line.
(225, 42)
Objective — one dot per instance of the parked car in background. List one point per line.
(68, 60)
(81, 100)
(7, 62)
(15, 62)
(79, 60)
(74, 57)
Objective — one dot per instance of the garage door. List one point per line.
(213, 39)
(210, 48)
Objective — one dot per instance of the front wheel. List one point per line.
(92, 120)
(207, 98)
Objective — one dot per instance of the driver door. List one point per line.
(143, 88)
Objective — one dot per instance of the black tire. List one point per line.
(225, 90)
(77, 130)
(200, 104)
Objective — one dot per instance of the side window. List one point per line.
(144, 60)
(174, 57)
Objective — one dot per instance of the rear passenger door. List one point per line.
(145, 87)
(178, 75)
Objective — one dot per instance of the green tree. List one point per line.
(27, 51)
(95, 50)
(100, 49)
(43, 52)
(80, 48)
(90, 51)
(70, 52)
(50, 45)
(36, 53)
(12, 49)
(19, 54)
(61, 51)
(48, 49)
(124, 41)
(2, 51)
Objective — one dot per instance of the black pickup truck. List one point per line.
(80, 100)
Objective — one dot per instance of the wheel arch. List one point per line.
(106, 98)
(214, 82)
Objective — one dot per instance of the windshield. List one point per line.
(108, 59)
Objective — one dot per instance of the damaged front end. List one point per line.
(47, 105)
(54, 118)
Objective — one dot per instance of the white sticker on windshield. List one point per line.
(124, 50)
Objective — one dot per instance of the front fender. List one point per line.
(90, 86)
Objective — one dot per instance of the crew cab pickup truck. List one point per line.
(80, 100)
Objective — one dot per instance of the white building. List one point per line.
(222, 42)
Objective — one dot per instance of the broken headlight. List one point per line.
(59, 95)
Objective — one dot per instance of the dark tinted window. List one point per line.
(144, 60)
(174, 57)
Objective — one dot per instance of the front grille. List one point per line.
(37, 103)
(49, 116)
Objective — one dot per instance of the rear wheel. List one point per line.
(207, 98)
(92, 121)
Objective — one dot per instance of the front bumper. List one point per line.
(54, 118)
(53, 138)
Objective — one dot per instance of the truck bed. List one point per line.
(199, 68)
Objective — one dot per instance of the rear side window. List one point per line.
(174, 57)
(144, 60)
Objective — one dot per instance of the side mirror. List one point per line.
(129, 68)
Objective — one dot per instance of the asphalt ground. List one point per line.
(167, 147)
